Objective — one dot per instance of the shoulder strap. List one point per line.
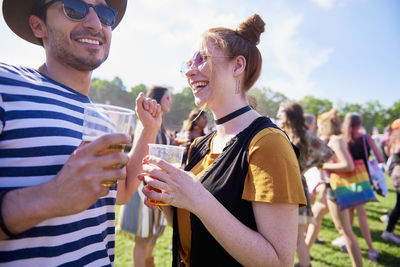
(365, 146)
(202, 146)
(199, 150)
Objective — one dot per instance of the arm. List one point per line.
(168, 213)
(273, 245)
(377, 151)
(344, 160)
(75, 188)
(149, 113)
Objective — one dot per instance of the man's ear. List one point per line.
(240, 65)
(38, 27)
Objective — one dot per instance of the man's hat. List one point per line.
(16, 13)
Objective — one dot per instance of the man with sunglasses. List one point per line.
(53, 209)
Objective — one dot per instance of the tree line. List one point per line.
(267, 102)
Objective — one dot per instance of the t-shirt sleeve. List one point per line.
(274, 174)
(2, 112)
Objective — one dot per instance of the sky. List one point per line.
(346, 51)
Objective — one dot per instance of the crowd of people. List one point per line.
(269, 183)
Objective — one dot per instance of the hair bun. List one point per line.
(252, 28)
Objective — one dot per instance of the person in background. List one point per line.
(394, 172)
(310, 121)
(196, 123)
(329, 125)
(145, 223)
(193, 128)
(357, 143)
(320, 205)
(312, 175)
(376, 136)
(163, 97)
(316, 182)
(225, 213)
(313, 152)
(384, 143)
(53, 209)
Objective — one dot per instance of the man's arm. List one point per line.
(74, 189)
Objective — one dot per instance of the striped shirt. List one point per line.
(40, 126)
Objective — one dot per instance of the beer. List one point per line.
(101, 119)
(110, 149)
(157, 202)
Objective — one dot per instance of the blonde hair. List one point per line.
(329, 123)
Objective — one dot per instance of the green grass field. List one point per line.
(322, 254)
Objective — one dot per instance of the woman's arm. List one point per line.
(149, 113)
(168, 213)
(377, 151)
(273, 245)
(344, 160)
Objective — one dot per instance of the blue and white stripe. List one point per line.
(40, 126)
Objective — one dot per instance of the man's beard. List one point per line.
(68, 57)
(79, 63)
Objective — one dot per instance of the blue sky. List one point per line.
(342, 50)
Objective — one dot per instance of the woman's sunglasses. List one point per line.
(197, 60)
(77, 10)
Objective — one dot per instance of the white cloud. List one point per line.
(296, 59)
(327, 4)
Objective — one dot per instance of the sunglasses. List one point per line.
(197, 60)
(78, 10)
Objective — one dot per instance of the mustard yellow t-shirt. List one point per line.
(273, 177)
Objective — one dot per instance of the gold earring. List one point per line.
(237, 87)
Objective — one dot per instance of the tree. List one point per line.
(372, 114)
(114, 93)
(315, 106)
(267, 101)
(135, 90)
(393, 112)
(182, 104)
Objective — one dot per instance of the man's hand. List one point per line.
(78, 185)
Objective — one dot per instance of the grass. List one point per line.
(322, 254)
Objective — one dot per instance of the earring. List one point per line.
(237, 87)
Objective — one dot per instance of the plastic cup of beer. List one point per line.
(171, 154)
(102, 119)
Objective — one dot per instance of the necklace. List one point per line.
(233, 115)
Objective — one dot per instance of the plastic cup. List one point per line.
(171, 154)
(102, 119)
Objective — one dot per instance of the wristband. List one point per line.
(2, 224)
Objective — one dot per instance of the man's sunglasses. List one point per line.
(77, 10)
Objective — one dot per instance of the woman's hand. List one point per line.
(148, 111)
(179, 188)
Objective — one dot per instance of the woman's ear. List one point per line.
(240, 65)
(38, 27)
